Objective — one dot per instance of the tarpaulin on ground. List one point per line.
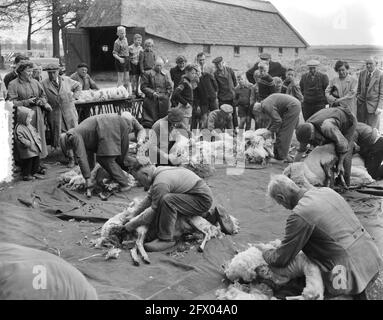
(38, 214)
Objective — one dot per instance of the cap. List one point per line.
(217, 60)
(313, 63)
(227, 108)
(265, 56)
(52, 67)
(175, 115)
(82, 65)
(303, 133)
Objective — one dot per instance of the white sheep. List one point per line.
(249, 265)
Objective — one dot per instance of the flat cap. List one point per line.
(217, 60)
(227, 108)
(180, 59)
(313, 63)
(265, 56)
(51, 67)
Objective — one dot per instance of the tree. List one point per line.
(11, 11)
(38, 19)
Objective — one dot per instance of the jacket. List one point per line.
(86, 83)
(227, 82)
(28, 142)
(64, 114)
(345, 88)
(292, 88)
(313, 88)
(183, 93)
(373, 95)
(105, 135)
(325, 228)
(206, 90)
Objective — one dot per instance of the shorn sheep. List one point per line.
(318, 169)
(249, 265)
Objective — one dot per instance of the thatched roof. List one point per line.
(216, 22)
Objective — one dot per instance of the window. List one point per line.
(280, 50)
(207, 49)
(260, 49)
(237, 50)
(297, 51)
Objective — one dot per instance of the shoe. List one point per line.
(224, 220)
(158, 245)
(43, 166)
(28, 178)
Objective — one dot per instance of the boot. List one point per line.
(224, 220)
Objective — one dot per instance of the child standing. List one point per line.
(242, 101)
(266, 86)
(147, 57)
(28, 144)
(121, 56)
(291, 87)
(134, 52)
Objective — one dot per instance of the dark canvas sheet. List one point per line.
(188, 275)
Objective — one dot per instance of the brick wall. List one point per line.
(241, 62)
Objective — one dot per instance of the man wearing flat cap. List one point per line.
(220, 119)
(82, 76)
(61, 92)
(226, 81)
(331, 125)
(275, 68)
(313, 86)
(105, 136)
(161, 137)
(178, 71)
(370, 94)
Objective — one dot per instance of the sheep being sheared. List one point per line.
(257, 146)
(74, 180)
(249, 265)
(113, 230)
(318, 169)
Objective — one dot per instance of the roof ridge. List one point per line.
(242, 4)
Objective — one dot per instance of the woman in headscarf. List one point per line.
(27, 92)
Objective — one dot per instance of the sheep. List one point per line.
(237, 291)
(74, 180)
(257, 146)
(317, 169)
(249, 265)
(113, 230)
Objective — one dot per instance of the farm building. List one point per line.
(238, 30)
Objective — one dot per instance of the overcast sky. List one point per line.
(322, 21)
(335, 21)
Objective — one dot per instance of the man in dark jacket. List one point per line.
(178, 71)
(227, 81)
(284, 111)
(333, 125)
(313, 85)
(370, 143)
(205, 94)
(323, 225)
(220, 119)
(105, 135)
(275, 68)
(157, 87)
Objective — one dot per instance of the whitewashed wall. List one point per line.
(6, 158)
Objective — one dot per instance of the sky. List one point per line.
(322, 22)
(329, 22)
